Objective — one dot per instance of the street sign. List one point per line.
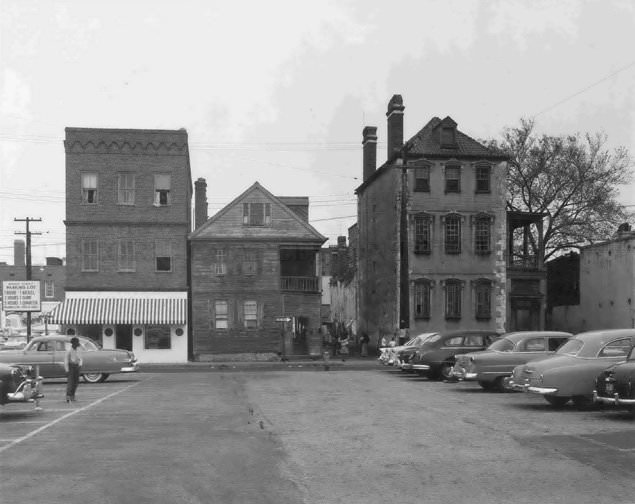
(21, 295)
(283, 319)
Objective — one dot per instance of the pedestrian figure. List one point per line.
(72, 365)
(343, 346)
(364, 341)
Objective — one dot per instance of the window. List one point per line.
(220, 266)
(534, 345)
(89, 188)
(483, 296)
(90, 255)
(163, 256)
(555, 343)
(422, 299)
(474, 340)
(220, 315)
(453, 299)
(482, 235)
(422, 179)
(453, 234)
(257, 214)
(456, 341)
(423, 238)
(125, 256)
(162, 186)
(483, 178)
(618, 348)
(249, 263)
(125, 188)
(452, 179)
(250, 314)
(157, 337)
(49, 289)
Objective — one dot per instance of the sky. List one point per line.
(278, 92)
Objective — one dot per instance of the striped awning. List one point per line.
(120, 311)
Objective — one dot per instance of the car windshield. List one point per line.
(502, 345)
(433, 337)
(571, 347)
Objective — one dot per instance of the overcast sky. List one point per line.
(279, 91)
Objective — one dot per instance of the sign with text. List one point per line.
(21, 295)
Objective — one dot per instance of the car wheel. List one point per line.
(485, 385)
(94, 377)
(446, 370)
(583, 402)
(499, 384)
(556, 401)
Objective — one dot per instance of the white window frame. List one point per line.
(125, 188)
(221, 312)
(250, 314)
(220, 264)
(90, 254)
(89, 181)
(250, 216)
(126, 255)
(162, 189)
(49, 288)
(162, 250)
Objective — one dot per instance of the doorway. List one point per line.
(124, 337)
(525, 315)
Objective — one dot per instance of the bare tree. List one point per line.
(573, 180)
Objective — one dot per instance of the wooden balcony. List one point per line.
(299, 284)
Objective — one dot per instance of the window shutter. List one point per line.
(260, 311)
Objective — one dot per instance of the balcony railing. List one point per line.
(523, 261)
(299, 284)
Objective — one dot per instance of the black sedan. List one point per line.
(436, 356)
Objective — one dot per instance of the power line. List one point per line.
(631, 64)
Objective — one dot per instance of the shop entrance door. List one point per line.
(124, 337)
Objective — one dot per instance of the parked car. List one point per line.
(389, 353)
(570, 373)
(614, 385)
(47, 353)
(19, 384)
(489, 367)
(404, 355)
(436, 357)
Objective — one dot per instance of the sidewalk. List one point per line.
(353, 363)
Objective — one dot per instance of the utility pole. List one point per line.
(28, 265)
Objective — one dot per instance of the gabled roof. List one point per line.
(286, 225)
(427, 143)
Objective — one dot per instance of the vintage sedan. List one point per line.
(389, 353)
(615, 385)
(46, 353)
(570, 373)
(437, 355)
(19, 384)
(405, 354)
(491, 366)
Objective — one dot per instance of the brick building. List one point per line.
(432, 231)
(128, 214)
(254, 280)
(52, 278)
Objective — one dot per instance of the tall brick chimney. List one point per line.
(369, 144)
(395, 124)
(19, 250)
(200, 202)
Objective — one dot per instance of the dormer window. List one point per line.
(447, 137)
(257, 214)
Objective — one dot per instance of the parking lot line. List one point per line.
(63, 417)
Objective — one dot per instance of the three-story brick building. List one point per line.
(128, 214)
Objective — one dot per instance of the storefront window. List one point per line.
(157, 337)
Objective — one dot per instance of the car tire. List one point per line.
(486, 385)
(445, 372)
(94, 377)
(583, 402)
(499, 384)
(556, 401)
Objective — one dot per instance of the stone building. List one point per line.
(432, 231)
(254, 282)
(128, 214)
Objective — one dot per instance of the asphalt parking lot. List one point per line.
(240, 435)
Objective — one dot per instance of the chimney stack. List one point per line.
(200, 202)
(19, 249)
(369, 144)
(395, 125)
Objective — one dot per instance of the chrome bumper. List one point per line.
(615, 400)
(129, 369)
(461, 374)
(541, 390)
(420, 367)
(510, 384)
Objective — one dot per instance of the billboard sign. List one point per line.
(21, 295)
